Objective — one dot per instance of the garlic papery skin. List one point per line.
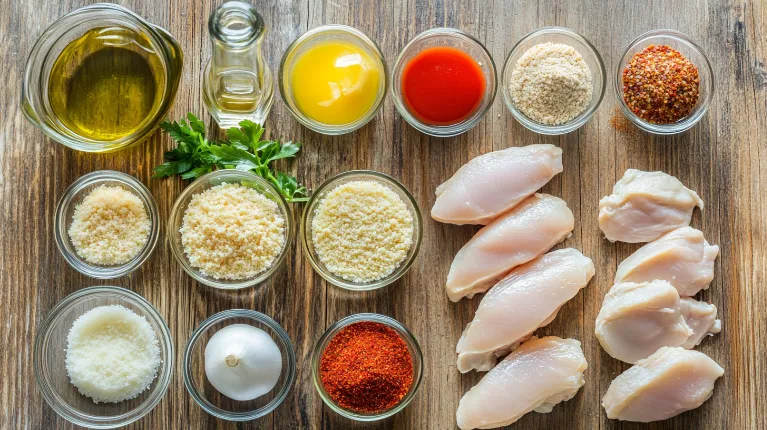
(242, 362)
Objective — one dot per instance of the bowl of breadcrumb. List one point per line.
(106, 224)
(553, 81)
(230, 229)
(361, 230)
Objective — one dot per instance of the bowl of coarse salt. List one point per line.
(553, 81)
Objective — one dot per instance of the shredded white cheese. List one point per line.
(232, 232)
(110, 226)
(362, 231)
(112, 354)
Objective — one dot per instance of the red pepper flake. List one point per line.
(367, 367)
(660, 85)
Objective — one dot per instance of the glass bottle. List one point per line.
(237, 84)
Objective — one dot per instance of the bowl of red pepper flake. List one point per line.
(367, 367)
(664, 82)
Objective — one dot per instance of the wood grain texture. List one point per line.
(724, 158)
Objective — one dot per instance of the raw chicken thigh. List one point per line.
(663, 385)
(681, 257)
(646, 205)
(491, 184)
(535, 377)
(524, 233)
(528, 298)
(638, 319)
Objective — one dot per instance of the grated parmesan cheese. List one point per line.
(232, 232)
(110, 226)
(112, 354)
(362, 231)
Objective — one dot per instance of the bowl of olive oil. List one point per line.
(101, 78)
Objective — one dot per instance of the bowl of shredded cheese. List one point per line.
(361, 230)
(103, 357)
(230, 229)
(106, 224)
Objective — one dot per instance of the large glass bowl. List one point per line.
(413, 347)
(692, 52)
(212, 401)
(50, 355)
(228, 176)
(590, 56)
(331, 184)
(75, 194)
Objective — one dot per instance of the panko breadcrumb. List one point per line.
(110, 226)
(232, 232)
(362, 231)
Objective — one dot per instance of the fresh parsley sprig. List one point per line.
(243, 150)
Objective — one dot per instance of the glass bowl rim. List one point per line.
(467, 123)
(60, 224)
(404, 265)
(583, 117)
(165, 340)
(406, 335)
(365, 40)
(288, 349)
(196, 187)
(688, 122)
(157, 35)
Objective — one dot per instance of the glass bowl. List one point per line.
(206, 182)
(449, 37)
(36, 105)
(590, 56)
(332, 183)
(307, 40)
(50, 368)
(412, 345)
(208, 397)
(75, 194)
(692, 52)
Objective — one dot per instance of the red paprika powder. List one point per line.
(367, 367)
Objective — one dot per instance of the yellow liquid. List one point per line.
(335, 82)
(105, 84)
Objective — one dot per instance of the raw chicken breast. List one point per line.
(491, 184)
(638, 319)
(527, 231)
(528, 298)
(535, 377)
(646, 205)
(681, 257)
(663, 385)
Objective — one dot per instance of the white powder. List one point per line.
(112, 354)
(551, 83)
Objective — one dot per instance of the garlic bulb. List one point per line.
(242, 362)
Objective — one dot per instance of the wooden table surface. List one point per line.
(721, 158)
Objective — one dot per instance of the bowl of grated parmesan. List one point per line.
(103, 357)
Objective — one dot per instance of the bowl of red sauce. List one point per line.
(367, 367)
(443, 82)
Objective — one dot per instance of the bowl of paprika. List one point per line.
(367, 367)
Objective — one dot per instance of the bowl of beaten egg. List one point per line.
(361, 230)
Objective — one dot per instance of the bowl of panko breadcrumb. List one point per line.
(361, 230)
(230, 229)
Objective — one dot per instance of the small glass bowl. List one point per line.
(309, 39)
(331, 184)
(412, 346)
(51, 372)
(205, 182)
(212, 401)
(449, 37)
(590, 56)
(75, 194)
(692, 52)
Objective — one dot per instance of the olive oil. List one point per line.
(106, 84)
